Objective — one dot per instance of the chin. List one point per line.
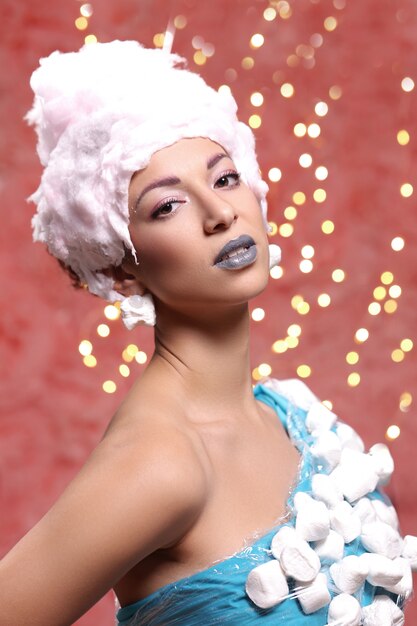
(253, 285)
(259, 290)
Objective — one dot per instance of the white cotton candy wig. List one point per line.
(100, 114)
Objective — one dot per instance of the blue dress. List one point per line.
(216, 595)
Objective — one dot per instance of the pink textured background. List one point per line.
(53, 409)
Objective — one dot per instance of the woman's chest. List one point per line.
(250, 473)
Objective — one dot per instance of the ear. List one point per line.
(124, 282)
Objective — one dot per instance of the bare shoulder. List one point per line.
(142, 489)
(149, 461)
(153, 451)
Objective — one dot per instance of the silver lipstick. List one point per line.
(237, 253)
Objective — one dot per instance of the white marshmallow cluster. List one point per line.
(310, 554)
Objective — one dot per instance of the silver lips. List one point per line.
(237, 253)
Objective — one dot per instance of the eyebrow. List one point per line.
(215, 159)
(174, 180)
(162, 182)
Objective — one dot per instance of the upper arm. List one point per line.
(126, 503)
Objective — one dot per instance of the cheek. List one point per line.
(167, 257)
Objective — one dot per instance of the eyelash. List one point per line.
(232, 173)
(163, 204)
(235, 175)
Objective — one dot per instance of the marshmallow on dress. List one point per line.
(404, 587)
(284, 537)
(315, 595)
(320, 418)
(266, 585)
(349, 438)
(381, 538)
(326, 490)
(355, 475)
(382, 611)
(331, 548)
(385, 513)
(312, 522)
(327, 449)
(382, 570)
(344, 610)
(294, 390)
(339, 512)
(300, 562)
(365, 510)
(345, 521)
(349, 574)
(409, 551)
(383, 462)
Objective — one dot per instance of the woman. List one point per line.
(204, 501)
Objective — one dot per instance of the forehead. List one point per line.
(193, 147)
(181, 155)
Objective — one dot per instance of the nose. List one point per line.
(218, 213)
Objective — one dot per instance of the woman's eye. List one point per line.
(230, 179)
(167, 208)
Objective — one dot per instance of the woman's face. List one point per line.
(185, 206)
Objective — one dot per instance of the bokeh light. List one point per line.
(305, 160)
(85, 348)
(406, 190)
(407, 84)
(393, 432)
(397, 244)
(287, 90)
(274, 174)
(338, 275)
(109, 386)
(327, 227)
(258, 314)
(103, 330)
(257, 40)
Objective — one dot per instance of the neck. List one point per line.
(206, 357)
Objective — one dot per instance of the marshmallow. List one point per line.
(295, 390)
(302, 499)
(266, 585)
(365, 510)
(315, 595)
(300, 562)
(312, 522)
(384, 620)
(331, 548)
(382, 611)
(381, 538)
(405, 585)
(349, 438)
(409, 551)
(344, 610)
(383, 462)
(355, 475)
(320, 418)
(385, 513)
(382, 570)
(326, 490)
(349, 574)
(345, 521)
(274, 255)
(327, 449)
(284, 537)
